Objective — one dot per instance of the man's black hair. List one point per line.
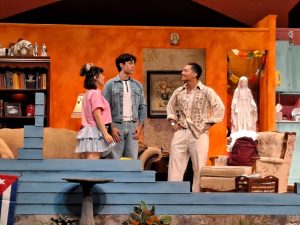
(126, 57)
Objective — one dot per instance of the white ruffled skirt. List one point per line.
(90, 139)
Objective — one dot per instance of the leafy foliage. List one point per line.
(143, 216)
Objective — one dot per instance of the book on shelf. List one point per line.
(37, 81)
(22, 80)
(1, 107)
(8, 80)
(2, 81)
(15, 81)
(44, 81)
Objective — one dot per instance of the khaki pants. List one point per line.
(183, 146)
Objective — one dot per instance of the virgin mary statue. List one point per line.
(243, 108)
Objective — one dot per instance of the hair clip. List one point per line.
(88, 66)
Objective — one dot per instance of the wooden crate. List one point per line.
(267, 184)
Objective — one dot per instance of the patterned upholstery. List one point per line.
(270, 144)
(275, 151)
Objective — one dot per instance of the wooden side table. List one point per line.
(267, 184)
(87, 214)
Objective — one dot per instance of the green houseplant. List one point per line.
(143, 216)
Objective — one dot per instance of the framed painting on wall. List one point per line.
(160, 87)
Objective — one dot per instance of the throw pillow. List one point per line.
(5, 152)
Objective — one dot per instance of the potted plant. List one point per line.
(143, 216)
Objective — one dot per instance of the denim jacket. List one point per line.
(113, 93)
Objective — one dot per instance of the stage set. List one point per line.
(51, 189)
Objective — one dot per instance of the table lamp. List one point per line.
(78, 106)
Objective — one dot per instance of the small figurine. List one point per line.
(44, 50)
(291, 37)
(30, 82)
(2, 50)
(35, 49)
(30, 76)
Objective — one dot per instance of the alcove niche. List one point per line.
(159, 132)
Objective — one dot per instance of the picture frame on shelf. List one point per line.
(12, 109)
(160, 87)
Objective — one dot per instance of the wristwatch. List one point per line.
(172, 123)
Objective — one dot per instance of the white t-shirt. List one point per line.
(127, 101)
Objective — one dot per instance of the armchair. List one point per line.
(149, 155)
(275, 151)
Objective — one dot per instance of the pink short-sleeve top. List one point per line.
(92, 100)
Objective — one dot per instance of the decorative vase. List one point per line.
(30, 110)
(30, 84)
(165, 98)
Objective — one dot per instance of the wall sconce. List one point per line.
(174, 38)
(78, 106)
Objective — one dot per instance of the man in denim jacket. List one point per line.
(128, 107)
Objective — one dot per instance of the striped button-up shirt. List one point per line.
(197, 110)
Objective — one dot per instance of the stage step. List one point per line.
(107, 188)
(70, 164)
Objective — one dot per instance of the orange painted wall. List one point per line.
(268, 81)
(71, 46)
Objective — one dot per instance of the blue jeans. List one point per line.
(128, 147)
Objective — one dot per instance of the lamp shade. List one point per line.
(78, 106)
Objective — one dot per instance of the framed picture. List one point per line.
(12, 109)
(160, 87)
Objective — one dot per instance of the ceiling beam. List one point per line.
(252, 11)
(13, 7)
